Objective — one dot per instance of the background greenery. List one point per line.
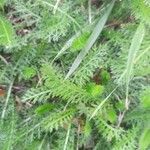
(74, 74)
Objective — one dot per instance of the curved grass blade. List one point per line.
(135, 46)
(65, 47)
(96, 32)
(102, 103)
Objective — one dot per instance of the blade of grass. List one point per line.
(135, 46)
(102, 103)
(69, 42)
(89, 10)
(96, 32)
(135, 61)
(7, 100)
(3, 59)
(67, 137)
(66, 46)
(138, 57)
(42, 142)
(56, 6)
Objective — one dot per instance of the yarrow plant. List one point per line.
(74, 74)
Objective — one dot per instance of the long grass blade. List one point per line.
(66, 46)
(102, 103)
(67, 137)
(96, 32)
(135, 46)
(7, 100)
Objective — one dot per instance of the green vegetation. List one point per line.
(74, 74)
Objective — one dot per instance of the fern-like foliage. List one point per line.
(141, 9)
(127, 141)
(37, 94)
(42, 106)
(94, 60)
(109, 132)
(64, 88)
(54, 121)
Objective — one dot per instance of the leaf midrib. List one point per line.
(5, 30)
